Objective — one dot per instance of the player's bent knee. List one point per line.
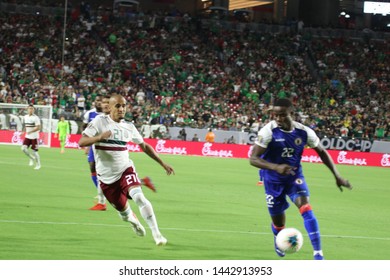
(135, 190)
(24, 148)
(138, 196)
(305, 208)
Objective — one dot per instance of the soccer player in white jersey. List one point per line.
(32, 125)
(146, 181)
(102, 107)
(278, 152)
(116, 172)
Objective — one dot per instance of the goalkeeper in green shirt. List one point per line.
(62, 132)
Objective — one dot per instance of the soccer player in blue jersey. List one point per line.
(261, 176)
(278, 151)
(88, 117)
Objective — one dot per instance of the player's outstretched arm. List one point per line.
(327, 160)
(88, 141)
(147, 149)
(341, 182)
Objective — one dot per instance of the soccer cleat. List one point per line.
(99, 207)
(318, 257)
(160, 240)
(147, 182)
(37, 167)
(279, 252)
(136, 225)
(31, 163)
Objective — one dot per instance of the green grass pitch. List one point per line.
(211, 209)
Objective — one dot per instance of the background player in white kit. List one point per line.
(116, 172)
(32, 125)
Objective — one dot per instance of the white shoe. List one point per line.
(160, 240)
(31, 163)
(37, 167)
(136, 225)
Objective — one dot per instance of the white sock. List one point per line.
(25, 150)
(101, 197)
(318, 252)
(146, 210)
(37, 158)
(126, 214)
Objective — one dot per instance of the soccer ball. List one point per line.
(289, 240)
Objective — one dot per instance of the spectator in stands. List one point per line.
(183, 134)
(357, 146)
(344, 131)
(380, 132)
(195, 138)
(231, 140)
(187, 77)
(210, 136)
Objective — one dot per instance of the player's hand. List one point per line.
(285, 169)
(105, 135)
(55, 135)
(168, 169)
(341, 182)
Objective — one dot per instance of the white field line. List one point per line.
(188, 230)
(45, 165)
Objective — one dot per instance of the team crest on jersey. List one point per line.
(299, 181)
(298, 141)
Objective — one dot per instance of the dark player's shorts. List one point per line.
(91, 155)
(31, 142)
(276, 193)
(117, 193)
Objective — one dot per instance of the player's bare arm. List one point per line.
(257, 161)
(327, 160)
(147, 149)
(86, 150)
(88, 141)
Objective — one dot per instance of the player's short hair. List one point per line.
(30, 105)
(283, 102)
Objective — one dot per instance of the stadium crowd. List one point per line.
(176, 71)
